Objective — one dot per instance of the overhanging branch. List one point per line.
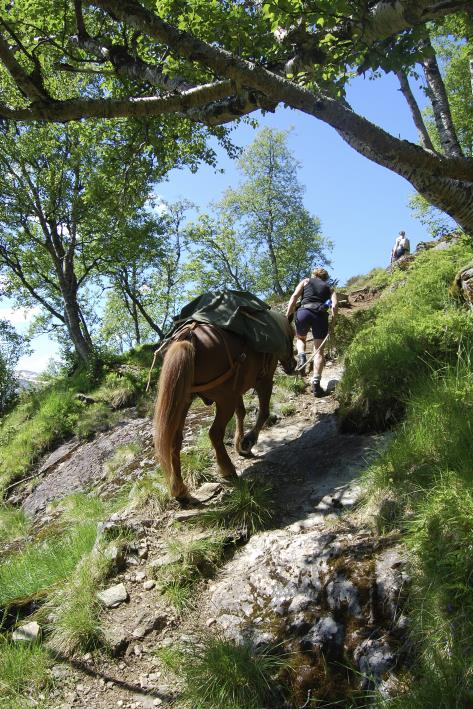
(76, 109)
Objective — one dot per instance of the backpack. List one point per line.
(404, 244)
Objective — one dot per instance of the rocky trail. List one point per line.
(315, 580)
(319, 582)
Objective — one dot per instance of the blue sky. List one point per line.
(361, 205)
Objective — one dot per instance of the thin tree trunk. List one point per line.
(440, 106)
(72, 317)
(269, 235)
(136, 323)
(424, 137)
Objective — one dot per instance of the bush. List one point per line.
(418, 327)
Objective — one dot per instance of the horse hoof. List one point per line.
(246, 453)
(245, 446)
(229, 477)
(180, 494)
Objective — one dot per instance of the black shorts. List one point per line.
(310, 319)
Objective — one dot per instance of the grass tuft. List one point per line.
(196, 558)
(151, 490)
(75, 609)
(246, 505)
(23, 667)
(94, 419)
(221, 674)
(13, 523)
(296, 385)
(31, 572)
(123, 457)
(197, 460)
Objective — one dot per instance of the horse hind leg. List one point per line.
(264, 389)
(224, 412)
(240, 412)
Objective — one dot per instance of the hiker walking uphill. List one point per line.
(317, 297)
(401, 246)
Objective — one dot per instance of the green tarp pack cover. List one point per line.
(242, 313)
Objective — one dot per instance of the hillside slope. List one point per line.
(280, 578)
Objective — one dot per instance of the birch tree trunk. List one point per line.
(440, 106)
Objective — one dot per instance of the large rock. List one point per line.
(375, 658)
(463, 285)
(75, 465)
(28, 633)
(329, 597)
(113, 596)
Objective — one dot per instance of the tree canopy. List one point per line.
(260, 236)
(212, 62)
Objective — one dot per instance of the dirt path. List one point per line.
(313, 471)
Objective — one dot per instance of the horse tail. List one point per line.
(175, 382)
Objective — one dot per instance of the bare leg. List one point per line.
(319, 359)
(240, 417)
(223, 414)
(264, 389)
(300, 344)
(176, 483)
(301, 356)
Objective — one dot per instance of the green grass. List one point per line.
(221, 674)
(428, 472)
(48, 415)
(412, 362)
(75, 608)
(294, 384)
(55, 415)
(123, 457)
(120, 389)
(152, 491)
(195, 559)
(347, 327)
(376, 278)
(95, 418)
(246, 505)
(39, 566)
(287, 409)
(23, 668)
(418, 327)
(197, 460)
(13, 523)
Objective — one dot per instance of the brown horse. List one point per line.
(220, 367)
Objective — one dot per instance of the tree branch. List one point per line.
(15, 266)
(415, 111)
(30, 88)
(76, 109)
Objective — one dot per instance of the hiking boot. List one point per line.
(301, 361)
(317, 389)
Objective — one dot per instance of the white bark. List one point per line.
(440, 106)
(415, 111)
